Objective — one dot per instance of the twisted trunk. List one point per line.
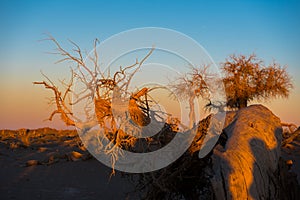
(248, 165)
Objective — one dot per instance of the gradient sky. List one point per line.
(271, 29)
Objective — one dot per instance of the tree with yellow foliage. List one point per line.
(246, 78)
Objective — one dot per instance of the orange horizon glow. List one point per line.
(25, 105)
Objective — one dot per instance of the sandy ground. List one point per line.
(292, 152)
(50, 164)
(42, 164)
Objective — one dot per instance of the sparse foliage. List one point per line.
(193, 85)
(246, 79)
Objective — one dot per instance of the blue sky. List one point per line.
(271, 29)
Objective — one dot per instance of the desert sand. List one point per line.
(51, 164)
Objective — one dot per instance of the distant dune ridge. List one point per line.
(251, 161)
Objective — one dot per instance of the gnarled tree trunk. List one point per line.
(247, 165)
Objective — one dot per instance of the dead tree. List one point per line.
(97, 94)
(193, 85)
